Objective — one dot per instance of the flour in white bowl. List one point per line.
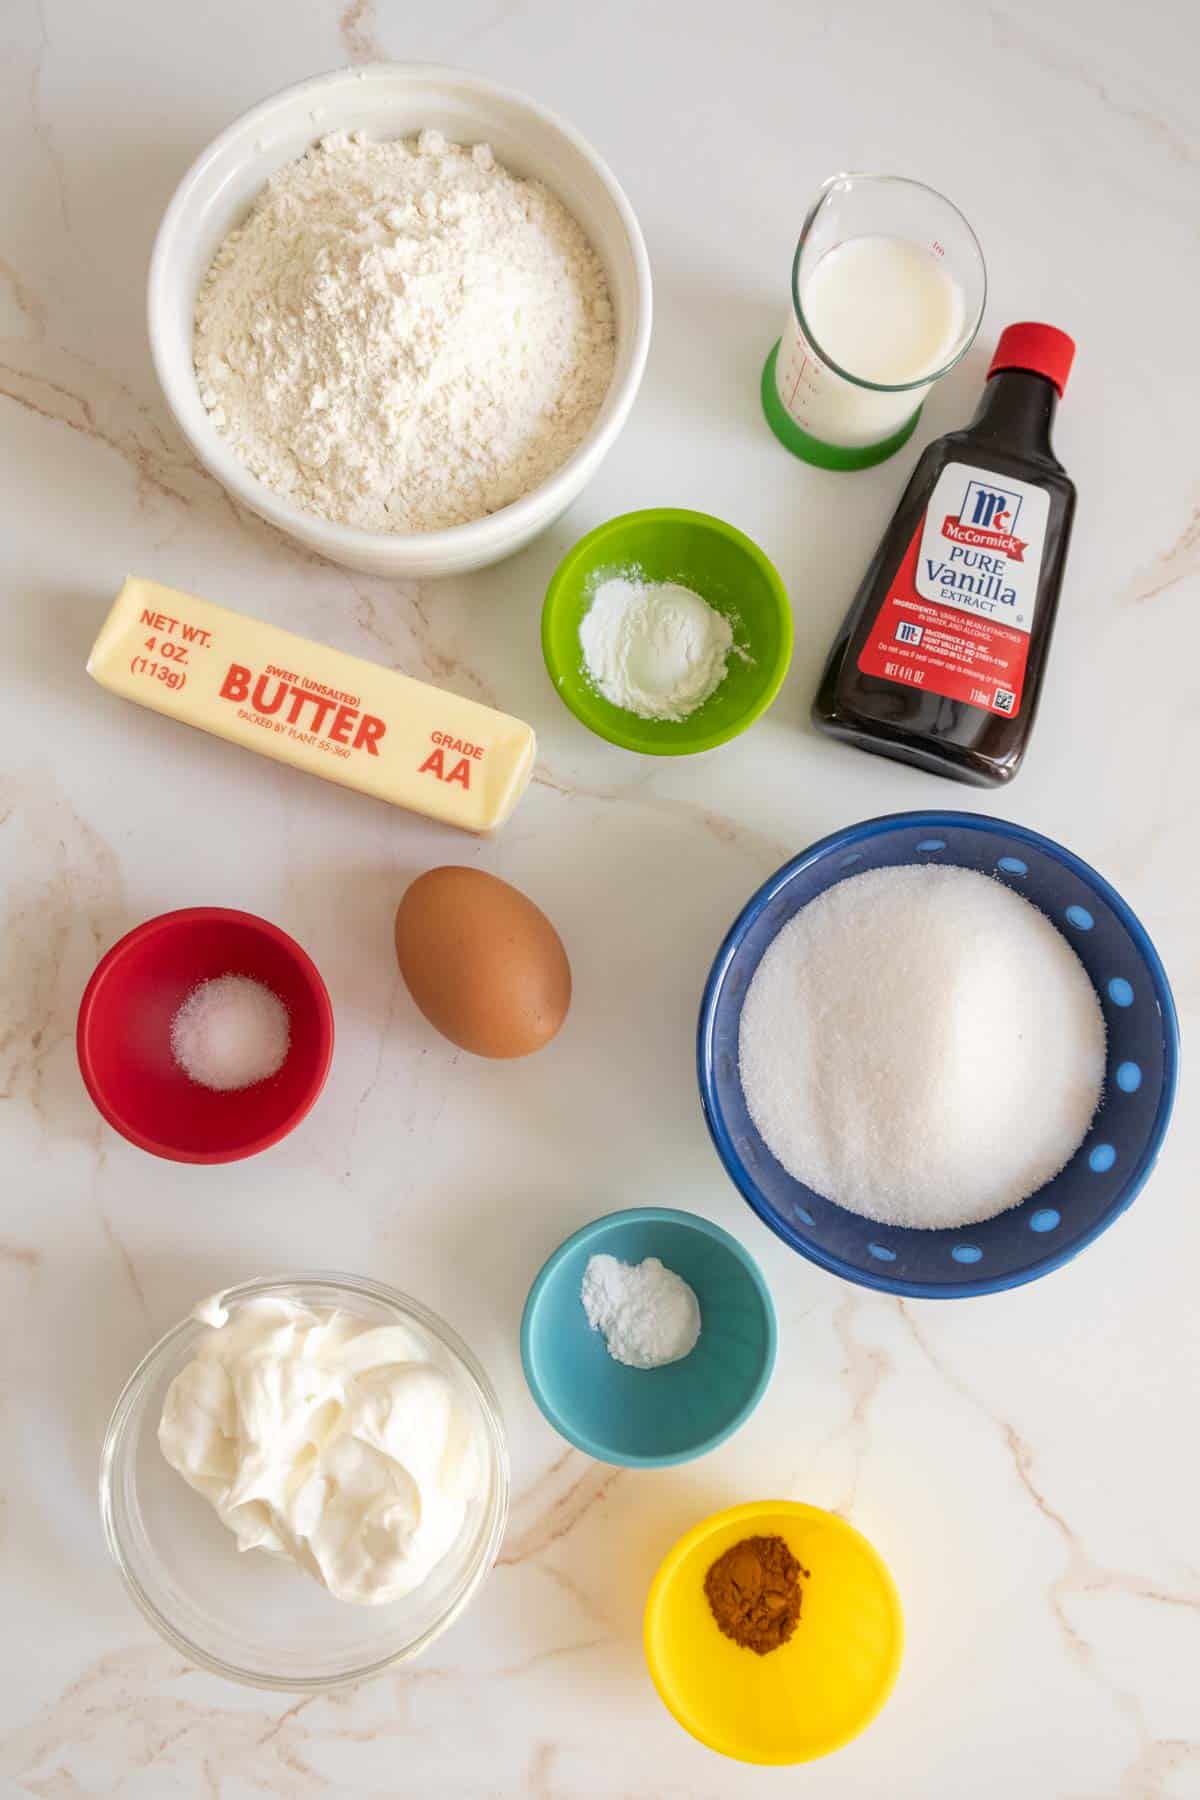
(403, 336)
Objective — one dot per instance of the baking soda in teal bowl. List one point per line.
(648, 1416)
(647, 1315)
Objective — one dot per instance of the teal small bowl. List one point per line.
(650, 1418)
(716, 561)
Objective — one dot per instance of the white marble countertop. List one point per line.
(1028, 1464)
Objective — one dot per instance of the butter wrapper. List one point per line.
(313, 708)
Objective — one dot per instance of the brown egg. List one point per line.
(482, 962)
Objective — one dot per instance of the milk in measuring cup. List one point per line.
(887, 311)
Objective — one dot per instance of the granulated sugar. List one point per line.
(922, 1046)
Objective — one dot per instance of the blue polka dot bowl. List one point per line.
(1111, 1165)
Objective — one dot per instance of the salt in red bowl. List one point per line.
(123, 1036)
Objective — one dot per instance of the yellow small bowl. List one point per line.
(818, 1690)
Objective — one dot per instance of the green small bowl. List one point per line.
(716, 561)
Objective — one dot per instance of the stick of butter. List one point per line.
(317, 709)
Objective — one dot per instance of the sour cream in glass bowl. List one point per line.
(256, 1616)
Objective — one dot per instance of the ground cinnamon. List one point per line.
(754, 1592)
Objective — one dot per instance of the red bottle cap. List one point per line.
(1040, 348)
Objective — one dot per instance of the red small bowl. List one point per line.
(123, 1037)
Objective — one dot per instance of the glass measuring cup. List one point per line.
(892, 263)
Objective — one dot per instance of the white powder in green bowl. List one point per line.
(922, 1046)
(654, 648)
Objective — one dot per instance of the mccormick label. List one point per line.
(958, 614)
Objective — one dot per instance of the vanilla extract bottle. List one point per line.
(940, 660)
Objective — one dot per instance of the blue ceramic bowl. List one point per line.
(1112, 1163)
(648, 1418)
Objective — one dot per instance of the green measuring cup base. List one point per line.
(815, 450)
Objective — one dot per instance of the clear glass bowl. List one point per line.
(253, 1617)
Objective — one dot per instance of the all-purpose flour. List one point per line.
(403, 336)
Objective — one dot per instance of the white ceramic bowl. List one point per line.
(394, 100)
(252, 1617)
